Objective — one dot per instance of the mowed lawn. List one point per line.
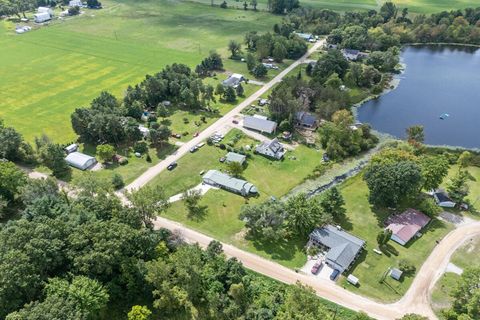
(415, 6)
(220, 219)
(364, 222)
(47, 73)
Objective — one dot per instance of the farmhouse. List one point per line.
(305, 36)
(271, 149)
(352, 55)
(80, 160)
(406, 225)
(306, 120)
(343, 248)
(259, 123)
(218, 179)
(234, 80)
(442, 199)
(235, 157)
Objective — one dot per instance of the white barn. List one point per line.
(80, 160)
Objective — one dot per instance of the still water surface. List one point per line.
(437, 81)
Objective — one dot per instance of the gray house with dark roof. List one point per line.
(343, 248)
(218, 179)
(259, 123)
(306, 120)
(271, 149)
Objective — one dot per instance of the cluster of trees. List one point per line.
(16, 7)
(13, 147)
(397, 174)
(210, 63)
(91, 257)
(297, 217)
(275, 45)
(341, 138)
(228, 93)
(466, 304)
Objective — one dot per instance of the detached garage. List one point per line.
(80, 160)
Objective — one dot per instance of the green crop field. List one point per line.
(415, 6)
(47, 73)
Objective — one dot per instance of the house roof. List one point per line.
(351, 51)
(306, 118)
(406, 225)
(343, 246)
(442, 196)
(271, 148)
(78, 159)
(234, 79)
(306, 36)
(396, 273)
(259, 124)
(224, 180)
(235, 157)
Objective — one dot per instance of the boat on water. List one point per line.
(443, 116)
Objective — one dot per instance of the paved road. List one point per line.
(416, 300)
(152, 172)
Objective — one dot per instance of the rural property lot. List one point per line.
(47, 73)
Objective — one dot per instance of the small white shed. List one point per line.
(352, 279)
(71, 148)
(80, 160)
(42, 17)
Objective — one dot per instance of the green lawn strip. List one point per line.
(364, 222)
(474, 187)
(468, 255)
(440, 298)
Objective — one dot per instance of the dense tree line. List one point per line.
(390, 26)
(465, 294)
(211, 63)
(90, 257)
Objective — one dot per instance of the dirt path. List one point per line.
(152, 172)
(416, 300)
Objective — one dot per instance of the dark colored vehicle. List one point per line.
(325, 157)
(172, 166)
(317, 267)
(235, 121)
(334, 274)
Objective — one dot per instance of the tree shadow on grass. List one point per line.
(344, 221)
(279, 250)
(164, 150)
(198, 213)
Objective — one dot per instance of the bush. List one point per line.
(123, 161)
(117, 181)
(73, 11)
(149, 159)
(140, 147)
(224, 5)
(185, 120)
(429, 207)
(407, 267)
(222, 146)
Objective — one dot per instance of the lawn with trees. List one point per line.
(107, 50)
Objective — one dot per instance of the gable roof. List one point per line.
(343, 246)
(442, 196)
(235, 157)
(259, 124)
(271, 148)
(351, 51)
(306, 118)
(224, 180)
(406, 225)
(233, 80)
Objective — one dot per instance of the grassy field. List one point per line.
(473, 184)
(440, 298)
(51, 71)
(220, 220)
(415, 6)
(365, 222)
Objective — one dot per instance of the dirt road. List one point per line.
(148, 175)
(416, 300)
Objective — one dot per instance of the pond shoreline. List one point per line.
(393, 84)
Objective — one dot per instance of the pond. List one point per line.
(438, 82)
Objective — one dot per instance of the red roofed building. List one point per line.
(406, 225)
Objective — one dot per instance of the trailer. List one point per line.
(42, 17)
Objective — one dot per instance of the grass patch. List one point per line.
(272, 178)
(365, 222)
(440, 298)
(468, 255)
(51, 71)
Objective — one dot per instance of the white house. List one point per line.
(234, 80)
(75, 3)
(80, 160)
(42, 17)
(442, 199)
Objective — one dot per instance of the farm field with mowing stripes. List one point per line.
(415, 6)
(49, 72)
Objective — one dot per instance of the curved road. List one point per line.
(416, 300)
(148, 175)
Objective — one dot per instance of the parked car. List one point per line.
(222, 159)
(317, 267)
(334, 274)
(201, 144)
(325, 157)
(235, 121)
(196, 134)
(193, 149)
(176, 135)
(172, 166)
